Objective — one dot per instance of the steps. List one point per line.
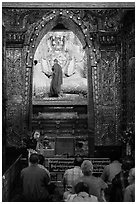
(60, 119)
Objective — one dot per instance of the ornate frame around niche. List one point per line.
(99, 30)
(74, 23)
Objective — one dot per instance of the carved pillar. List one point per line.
(15, 95)
(4, 96)
(128, 74)
(108, 109)
(106, 90)
(91, 119)
(27, 109)
(128, 82)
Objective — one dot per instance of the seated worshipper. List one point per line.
(96, 184)
(110, 171)
(120, 182)
(34, 182)
(41, 164)
(52, 188)
(129, 194)
(71, 175)
(81, 194)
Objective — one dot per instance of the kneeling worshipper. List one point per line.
(81, 194)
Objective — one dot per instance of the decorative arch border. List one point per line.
(69, 19)
(73, 22)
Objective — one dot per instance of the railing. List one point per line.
(56, 166)
(10, 179)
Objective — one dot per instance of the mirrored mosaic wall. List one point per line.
(106, 45)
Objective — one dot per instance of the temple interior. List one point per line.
(94, 113)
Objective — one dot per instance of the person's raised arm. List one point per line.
(48, 75)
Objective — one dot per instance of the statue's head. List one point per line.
(55, 61)
(35, 62)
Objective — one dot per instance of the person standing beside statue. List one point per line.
(57, 80)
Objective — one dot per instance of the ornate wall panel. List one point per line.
(128, 70)
(15, 95)
(99, 30)
(107, 91)
(4, 95)
(130, 47)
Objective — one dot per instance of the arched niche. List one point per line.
(64, 45)
(37, 32)
(33, 37)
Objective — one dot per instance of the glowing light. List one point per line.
(57, 42)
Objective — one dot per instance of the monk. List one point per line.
(57, 80)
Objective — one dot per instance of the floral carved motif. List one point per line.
(108, 107)
(106, 19)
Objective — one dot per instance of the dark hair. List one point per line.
(78, 161)
(34, 158)
(41, 159)
(128, 163)
(35, 62)
(114, 156)
(55, 60)
(81, 187)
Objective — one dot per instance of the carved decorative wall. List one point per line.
(128, 70)
(107, 95)
(15, 95)
(98, 31)
(131, 78)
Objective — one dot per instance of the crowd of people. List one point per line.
(116, 183)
